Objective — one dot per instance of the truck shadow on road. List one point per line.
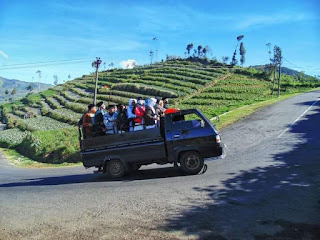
(280, 201)
(146, 174)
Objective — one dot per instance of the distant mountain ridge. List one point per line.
(284, 70)
(21, 86)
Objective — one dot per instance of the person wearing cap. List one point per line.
(110, 120)
(89, 120)
(99, 123)
(165, 102)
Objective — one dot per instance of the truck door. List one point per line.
(191, 132)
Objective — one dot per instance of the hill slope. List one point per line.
(212, 87)
(287, 71)
(21, 86)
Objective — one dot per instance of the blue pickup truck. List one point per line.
(184, 138)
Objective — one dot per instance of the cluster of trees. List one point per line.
(197, 52)
(242, 51)
(202, 52)
(111, 65)
(275, 66)
(39, 73)
(13, 92)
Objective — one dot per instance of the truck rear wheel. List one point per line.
(115, 168)
(191, 162)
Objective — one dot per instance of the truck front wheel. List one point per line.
(191, 162)
(115, 168)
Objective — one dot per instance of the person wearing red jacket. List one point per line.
(139, 111)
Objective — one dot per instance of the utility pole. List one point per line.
(96, 65)
(279, 79)
(274, 77)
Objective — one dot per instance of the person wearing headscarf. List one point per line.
(139, 111)
(130, 113)
(150, 116)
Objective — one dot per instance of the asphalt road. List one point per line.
(267, 187)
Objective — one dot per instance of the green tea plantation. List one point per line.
(42, 126)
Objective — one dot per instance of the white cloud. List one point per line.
(265, 20)
(3, 54)
(129, 64)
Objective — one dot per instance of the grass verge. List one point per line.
(19, 160)
(235, 115)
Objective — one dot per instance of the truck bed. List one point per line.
(122, 139)
(125, 146)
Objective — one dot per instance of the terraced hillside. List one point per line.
(213, 87)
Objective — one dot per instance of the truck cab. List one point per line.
(183, 138)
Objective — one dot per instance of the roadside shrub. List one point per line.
(51, 146)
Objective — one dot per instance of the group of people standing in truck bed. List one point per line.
(138, 115)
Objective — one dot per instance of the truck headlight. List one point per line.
(218, 139)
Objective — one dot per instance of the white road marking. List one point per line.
(288, 128)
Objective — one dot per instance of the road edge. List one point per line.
(231, 117)
(15, 159)
(225, 120)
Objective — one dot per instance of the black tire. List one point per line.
(115, 168)
(191, 162)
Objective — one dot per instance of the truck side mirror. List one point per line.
(203, 123)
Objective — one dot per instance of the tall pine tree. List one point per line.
(242, 53)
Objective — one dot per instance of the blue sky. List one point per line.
(42, 31)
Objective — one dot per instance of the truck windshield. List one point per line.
(187, 121)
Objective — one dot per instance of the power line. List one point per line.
(291, 63)
(42, 64)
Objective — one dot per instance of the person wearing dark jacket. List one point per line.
(150, 116)
(99, 124)
(122, 119)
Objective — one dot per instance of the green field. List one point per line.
(51, 136)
